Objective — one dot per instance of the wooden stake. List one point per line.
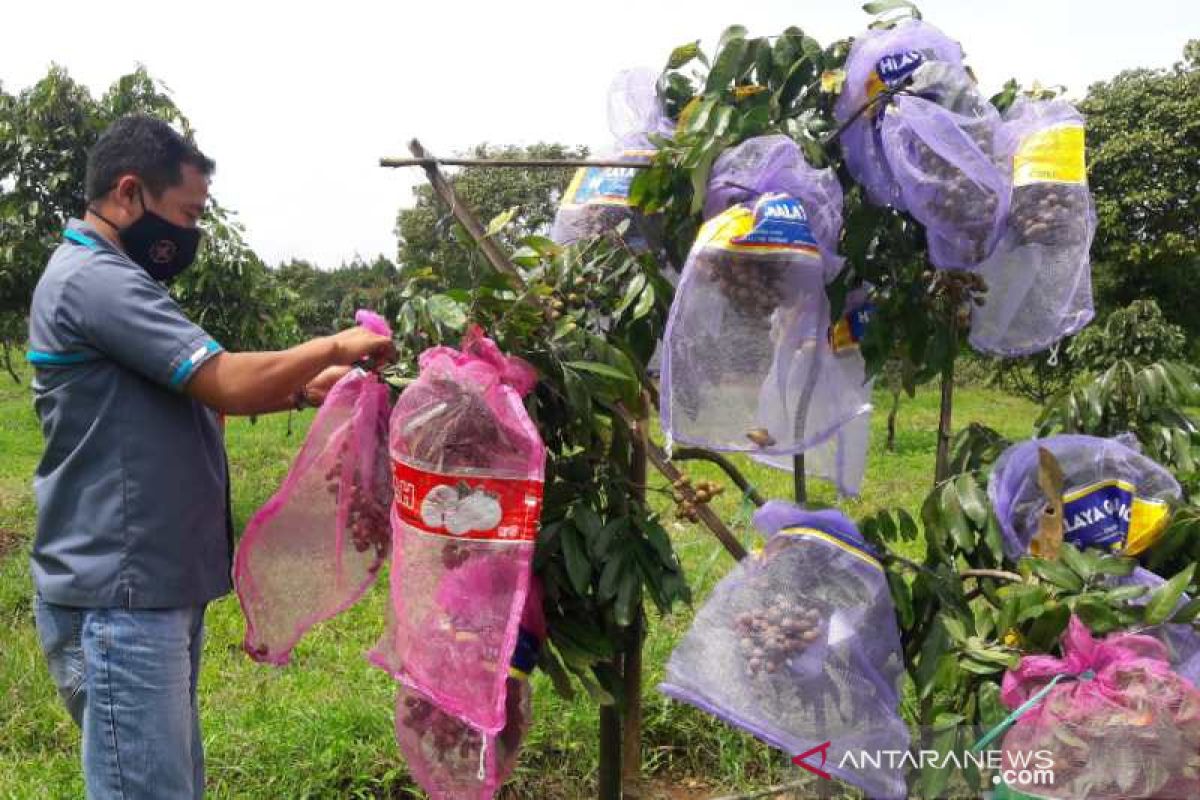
(631, 733)
(445, 191)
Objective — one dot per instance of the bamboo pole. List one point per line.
(513, 163)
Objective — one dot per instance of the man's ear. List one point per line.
(125, 192)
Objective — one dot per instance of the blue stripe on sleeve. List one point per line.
(79, 238)
(42, 359)
(185, 369)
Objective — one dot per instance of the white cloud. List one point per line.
(298, 101)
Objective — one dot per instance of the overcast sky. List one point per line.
(297, 101)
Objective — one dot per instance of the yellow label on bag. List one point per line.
(777, 223)
(1147, 521)
(1054, 155)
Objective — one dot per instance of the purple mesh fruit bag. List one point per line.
(745, 349)
(1115, 498)
(450, 759)
(879, 60)
(597, 199)
(1181, 640)
(799, 646)
(468, 467)
(944, 166)
(317, 544)
(1111, 716)
(836, 406)
(1039, 277)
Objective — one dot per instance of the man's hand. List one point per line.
(355, 344)
(318, 388)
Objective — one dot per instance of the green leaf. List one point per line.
(971, 499)
(1123, 593)
(549, 663)
(599, 545)
(1057, 574)
(1164, 599)
(954, 518)
(1083, 565)
(587, 520)
(683, 54)
(902, 597)
(700, 174)
(1115, 565)
(908, 526)
(727, 64)
(979, 667)
(645, 302)
(603, 370)
(501, 221)
(633, 290)
(628, 595)
(1188, 613)
(883, 6)
(1098, 615)
(955, 627)
(579, 566)
(445, 311)
(610, 576)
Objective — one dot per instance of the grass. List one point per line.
(322, 727)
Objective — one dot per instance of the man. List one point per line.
(134, 532)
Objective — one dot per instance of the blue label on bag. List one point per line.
(896, 67)
(1098, 515)
(848, 332)
(780, 222)
(606, 186)
(525, 654)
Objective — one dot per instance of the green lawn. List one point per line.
(322, 727)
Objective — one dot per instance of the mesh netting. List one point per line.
(1182, 640)
(945, 168)
(748, 363)
(1120, 723)
(878, 60)
(468, 465)
(450, 759)
(597, 199)
(799, 646)
(316, 545)
(1039, 277)
(1115, 498)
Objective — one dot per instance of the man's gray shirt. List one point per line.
(132, 490)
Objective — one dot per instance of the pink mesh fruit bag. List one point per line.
(317, 544)
(450, 759)
(1113, 716)
(468, 466)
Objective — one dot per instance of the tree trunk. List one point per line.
(8, 365)
(942, 468)
(891, 422)
(610, 750)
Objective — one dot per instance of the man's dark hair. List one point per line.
(143, 146)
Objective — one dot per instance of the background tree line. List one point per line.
(1144, 169)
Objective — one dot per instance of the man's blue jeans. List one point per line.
(128, 678)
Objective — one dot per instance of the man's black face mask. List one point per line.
(157, 245)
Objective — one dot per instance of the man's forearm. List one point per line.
(258, 383)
